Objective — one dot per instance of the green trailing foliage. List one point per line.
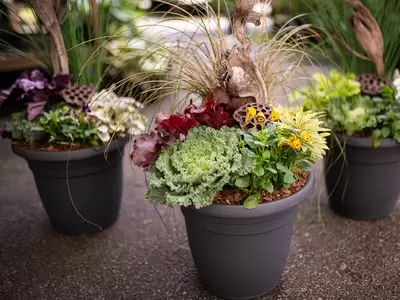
(350, 112)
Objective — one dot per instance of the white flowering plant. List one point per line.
(116, 115)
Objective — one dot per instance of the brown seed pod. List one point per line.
(254, 122)
(370, 84)
(78, 95)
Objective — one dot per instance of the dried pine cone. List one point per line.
(370, 84)
(252, 115)
(78, 95)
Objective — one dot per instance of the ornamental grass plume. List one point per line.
(232, 137)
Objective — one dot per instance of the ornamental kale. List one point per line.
(189, 172)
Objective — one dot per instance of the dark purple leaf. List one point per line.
(35, 75)
(60, 81)
(35, 109)
(145, 149)
(39, 95)
(210, 114)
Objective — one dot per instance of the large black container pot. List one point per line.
(81, 190)
(363, 182)
(240, 253)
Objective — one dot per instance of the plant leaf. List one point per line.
(385, 132)
(258, 171)
(282, 168)
(145, 149)
(289, 178)
(175, 123)
(210, 114)
(243, 182)
(267, 185)
(251, 202)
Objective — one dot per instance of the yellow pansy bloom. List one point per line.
(274, 116)
(251, 112)
(305, 136)
(260, 118)
(295, 143)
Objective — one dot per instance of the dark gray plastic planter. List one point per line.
(95, 185)
(367, 187)
(240, 253)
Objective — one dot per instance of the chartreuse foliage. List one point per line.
(350, 112)
(278, 150)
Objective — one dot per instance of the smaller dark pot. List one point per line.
(367, 187)
(241, 253)
(90, 182)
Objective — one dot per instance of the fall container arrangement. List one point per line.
(237, 165)
(363, 164)
(73, 141)
(70, 131)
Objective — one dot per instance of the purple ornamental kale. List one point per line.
(36, 90)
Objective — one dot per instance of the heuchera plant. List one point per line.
(48, 119)
(170, 128)
(36, 90)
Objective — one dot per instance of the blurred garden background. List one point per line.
(114, 44)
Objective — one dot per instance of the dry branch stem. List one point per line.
(95, 17)
(243, 77)
(339, 38)
(368, 34)
(48, 15)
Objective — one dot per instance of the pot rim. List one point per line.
(264, 209)
(79, 154)
(365, 142)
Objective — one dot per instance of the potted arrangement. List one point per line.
(71, 135)
(236, 165)
(363, 163)
(73, 140)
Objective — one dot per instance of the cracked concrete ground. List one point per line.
(139, 259)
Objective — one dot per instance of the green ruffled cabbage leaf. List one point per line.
(190, 172)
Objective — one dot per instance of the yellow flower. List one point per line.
(251, 112)
(305, 136)
(295, 142)
(260, 118)
(281, 143)
(274, 116)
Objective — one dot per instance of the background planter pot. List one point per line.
(241, 253)
(367, 187)
(94, 183)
